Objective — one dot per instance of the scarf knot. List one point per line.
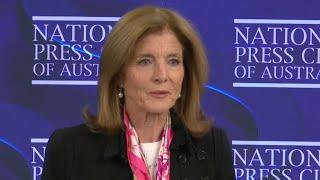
(136, 157)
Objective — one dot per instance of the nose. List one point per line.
(160, 73)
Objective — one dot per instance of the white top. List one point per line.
(151, 152)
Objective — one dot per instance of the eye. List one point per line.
(144, 61)
(174, 61)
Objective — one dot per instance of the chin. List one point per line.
(159, 108)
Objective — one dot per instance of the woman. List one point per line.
(149, 123)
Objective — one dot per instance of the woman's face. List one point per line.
(153, 78)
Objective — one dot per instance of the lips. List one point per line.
(159, 93)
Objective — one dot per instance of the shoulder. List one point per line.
(220, 146)
(80, 129)
(220, 136)
(62, 138)
(216, 145)
(71, 138)
(65, 146)
(216, 136)
(215, 142)
(77, 139)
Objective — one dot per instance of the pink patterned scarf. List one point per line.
(136, 157)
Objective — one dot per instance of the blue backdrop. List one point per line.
(263, 88)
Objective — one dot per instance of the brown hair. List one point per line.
(120, 47)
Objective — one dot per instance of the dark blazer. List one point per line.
(77, 154)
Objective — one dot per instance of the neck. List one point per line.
(149, 126)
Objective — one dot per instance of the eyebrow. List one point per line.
(144, 55)
(151, 56)
(175, 55)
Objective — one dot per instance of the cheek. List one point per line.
(178, 79)
(134, 84)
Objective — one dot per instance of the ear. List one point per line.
(120, 81)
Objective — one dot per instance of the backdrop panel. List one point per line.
(263, 88)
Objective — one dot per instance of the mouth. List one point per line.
(159, 93)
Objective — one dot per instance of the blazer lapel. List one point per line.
(179, 148)
(115, 148)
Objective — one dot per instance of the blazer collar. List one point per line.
(180, 136)
(115, 145)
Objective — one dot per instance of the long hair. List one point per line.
(119, 49)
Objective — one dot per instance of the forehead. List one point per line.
(163, 40)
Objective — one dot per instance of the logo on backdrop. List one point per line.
(67, 49)
(280, 160)
(38, 148)
(276, 53)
